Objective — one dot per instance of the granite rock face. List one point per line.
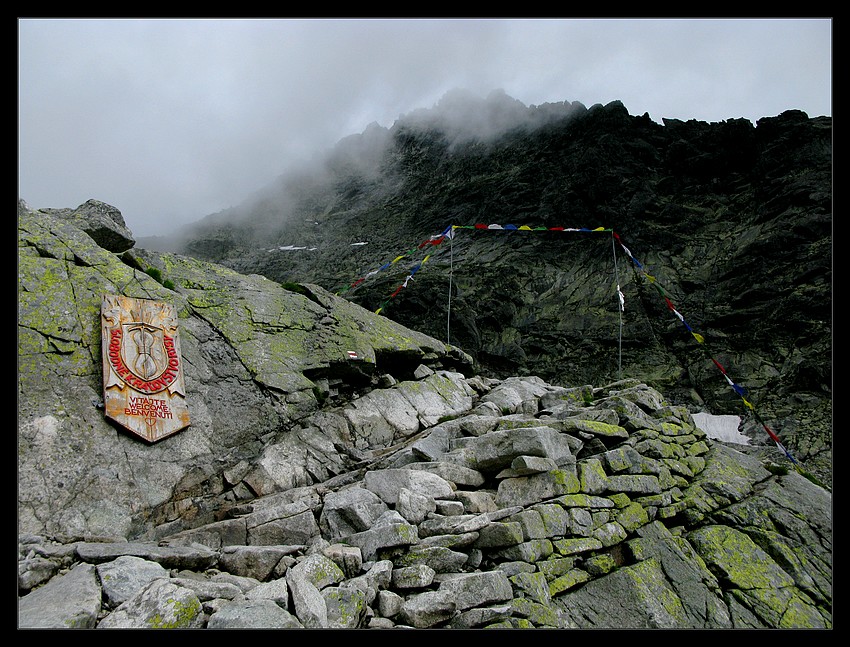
(397, 489)
(258, 359)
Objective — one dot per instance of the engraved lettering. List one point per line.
(148, 408)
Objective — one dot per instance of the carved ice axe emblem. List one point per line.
(142, 368)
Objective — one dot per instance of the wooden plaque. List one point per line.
(143, 387)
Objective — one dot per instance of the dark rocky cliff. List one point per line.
(732, 221)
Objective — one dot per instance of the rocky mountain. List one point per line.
(340, 470)
(720, 232)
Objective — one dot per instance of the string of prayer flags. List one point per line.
(433, 240)
(629, 253)
(511, 227)
(739, 390)
(773, 436)
(413, 270)
(449, 233)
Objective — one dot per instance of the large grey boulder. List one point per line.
(125, 575)
(160, 604)
(253, 614)
(103, 222)
(258, 358)
(69, 601)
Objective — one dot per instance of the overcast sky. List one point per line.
(171, 120)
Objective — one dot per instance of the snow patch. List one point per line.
(723, 428)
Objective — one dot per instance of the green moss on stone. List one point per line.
(672, 429)
(737, 558)
(539, 615)
(632, 517)
(182, 614)
(568, 581)
(604, 429)
(654, 587)
(620, 499)
(574, 545)
(567, 480)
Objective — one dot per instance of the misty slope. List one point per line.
(732, 221)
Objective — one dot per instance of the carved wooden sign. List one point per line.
(143, 387)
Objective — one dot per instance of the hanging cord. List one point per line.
(621, 308)
(451, 274)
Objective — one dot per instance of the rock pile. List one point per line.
(538, 506)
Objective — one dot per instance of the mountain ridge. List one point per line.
(731, 220)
